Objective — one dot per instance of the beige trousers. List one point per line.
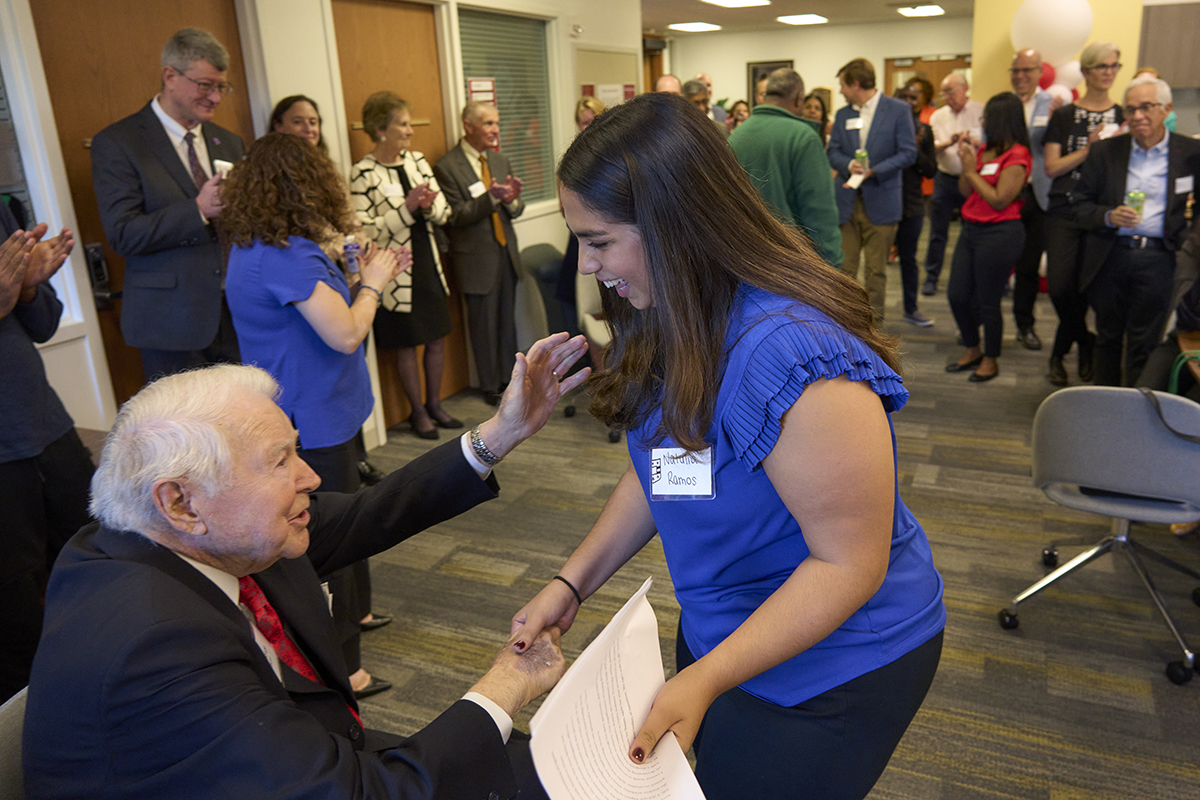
(873, 242)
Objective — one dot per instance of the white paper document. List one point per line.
(856, 180)
(582, 732)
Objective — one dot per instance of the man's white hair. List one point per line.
(177, 427)
(1162, 90)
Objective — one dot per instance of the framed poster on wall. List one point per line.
(756, 70)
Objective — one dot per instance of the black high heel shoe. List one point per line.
(420, 434)
(954, 366)
(449, 422)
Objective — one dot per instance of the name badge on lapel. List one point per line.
(854, 124)
(477, 188)
(989, 169)
(1185, 184)
(392, 190)
(676, 474)
(1039, 122)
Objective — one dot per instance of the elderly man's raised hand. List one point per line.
(536, 386)
(516, 679)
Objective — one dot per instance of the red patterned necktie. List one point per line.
(267, 619)
(198, 174)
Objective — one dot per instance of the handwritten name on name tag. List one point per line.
(676, 474)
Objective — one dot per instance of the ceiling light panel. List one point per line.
(922, 11)
(802, 19)
(694, 27)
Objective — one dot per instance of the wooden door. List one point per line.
(103, 62)
(388, 45)
(898, 70)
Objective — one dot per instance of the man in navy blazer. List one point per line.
(869, 211)
(1127, 266)
(158, 193)
(189, 650)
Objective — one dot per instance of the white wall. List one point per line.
(817, 50)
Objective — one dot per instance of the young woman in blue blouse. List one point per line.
(811, 611)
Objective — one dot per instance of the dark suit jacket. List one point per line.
(477, 257)
(891, 146)
(148, 681)
(924, 167)
(173, 264)
(1101, 188)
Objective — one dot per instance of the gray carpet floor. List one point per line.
(1073, 704)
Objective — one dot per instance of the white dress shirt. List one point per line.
(945, 123)
(176, 132)
(866, 112)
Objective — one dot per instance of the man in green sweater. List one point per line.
(783, 155)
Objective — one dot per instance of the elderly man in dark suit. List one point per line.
(157, 185)
(484, 198)
(869, 211)
(1128, 260)
(189, 651)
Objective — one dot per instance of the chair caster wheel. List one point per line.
(1196, 596)
(1050, 557)
(1008, 621)
(614, 436)
(569, 411)
(1178, 673)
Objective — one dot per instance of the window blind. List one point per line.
(512, 50)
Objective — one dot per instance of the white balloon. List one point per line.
(1061, 92)
(1056, 28)
(1068, 75)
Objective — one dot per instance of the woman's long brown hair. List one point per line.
(284, 187)
(657, 163)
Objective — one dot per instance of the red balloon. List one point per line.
(1047, 76)
(1074, 95)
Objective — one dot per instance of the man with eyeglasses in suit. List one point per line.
(158, 190)
(1132, 197)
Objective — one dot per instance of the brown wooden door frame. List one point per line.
(932, 70)
(367, 34)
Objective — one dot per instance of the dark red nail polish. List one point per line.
(520, 646)
(638, 755)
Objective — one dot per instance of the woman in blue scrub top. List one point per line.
(756, 393)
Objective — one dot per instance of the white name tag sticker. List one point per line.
(392, 190)
(1040, 122)
(477, 188)
(676, 474)
(989, 169)
(1185, 184)
(854, 124)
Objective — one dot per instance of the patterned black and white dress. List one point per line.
(414, 309)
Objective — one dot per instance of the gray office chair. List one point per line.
(1109, 451)
(12, 719)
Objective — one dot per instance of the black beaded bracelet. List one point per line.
(574, 591)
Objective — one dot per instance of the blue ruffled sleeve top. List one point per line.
(326, 394)
(729, 552)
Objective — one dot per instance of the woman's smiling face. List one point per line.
(611, 251)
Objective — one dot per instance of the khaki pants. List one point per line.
(873, 241)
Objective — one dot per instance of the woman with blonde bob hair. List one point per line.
(756, 394)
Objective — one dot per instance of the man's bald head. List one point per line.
(954, 89)
(1025, 72)
(668, 84)
(704, 78)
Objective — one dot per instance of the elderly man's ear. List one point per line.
(174, 500)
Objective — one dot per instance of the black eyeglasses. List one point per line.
(208, 87)
(1105, 67)
(1144, 108)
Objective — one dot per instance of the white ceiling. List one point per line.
(657, 14)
